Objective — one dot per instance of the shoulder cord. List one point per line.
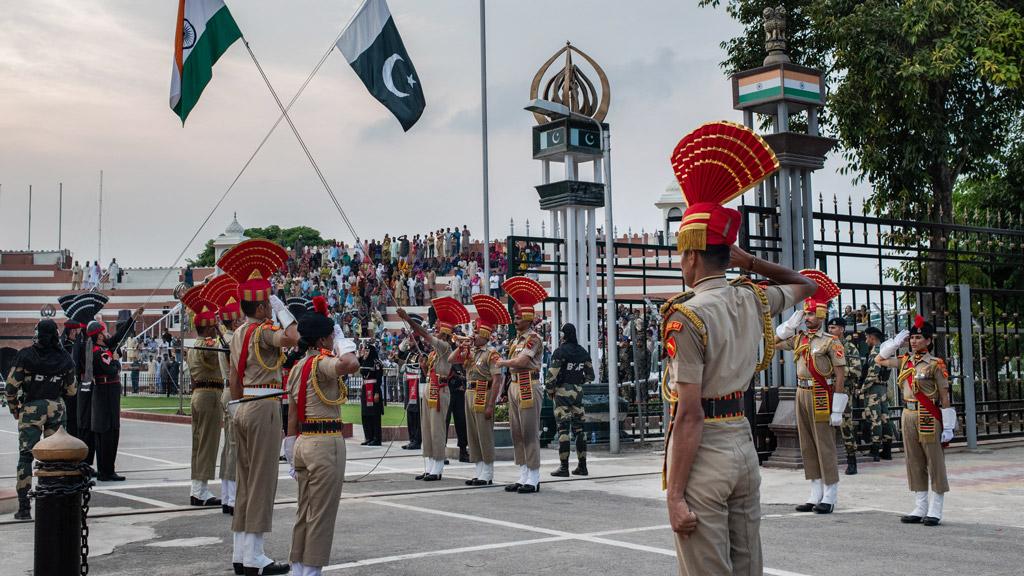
(768, 334)
(316, 385)
(259, 358)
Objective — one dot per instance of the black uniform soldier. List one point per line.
(569, 370)
(372, 399)
(70, 341)
(412, 376)
(42, 376)
(105, 407)
(80, 311)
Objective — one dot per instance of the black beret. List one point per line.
(315, 326)
(837, 321)
(873, 331)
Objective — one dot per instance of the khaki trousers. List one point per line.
(433, 425)
(924, 459)
(227, 455)
(320, 471)
(258, 434)
(480, 433)
(525, 424)
(817, 441)
(207, 420)
(724, 491)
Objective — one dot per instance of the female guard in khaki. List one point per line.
(315, 447)
(924, 381)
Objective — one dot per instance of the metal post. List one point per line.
(581, 266)
(571, 233)
(611, 312)
(592, 286)
(808, 200)
(967, 368)
(99, 234)
(483, 126)
(60, 215)
(62, 505)
(30, 217)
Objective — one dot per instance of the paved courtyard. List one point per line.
(613, 522)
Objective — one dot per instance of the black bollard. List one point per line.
(62, 505)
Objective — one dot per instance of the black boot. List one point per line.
(886, 450)
(581, 468)
(463, 455)
(851, 464)
(563, 470)
(874, 453)
(24, 508)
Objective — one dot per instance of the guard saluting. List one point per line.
(483, 377)
(433, 416)
(42, 376)
(314, 446)
(207, 386)
(923, 379)
(819, 406)
(712, 335)
(255, 379)
(223, 291)
(524, 357)
(82, 309)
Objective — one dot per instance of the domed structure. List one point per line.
(672, 206)
(232, 235)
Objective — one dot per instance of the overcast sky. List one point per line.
(84, 87)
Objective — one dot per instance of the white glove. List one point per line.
(344, 346)
(948, 424)
(788, 328)
(889, 348)
(276, 305)
(839, 401)
(289, 449)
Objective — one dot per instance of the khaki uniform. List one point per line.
(207, 412)
(480, 372)
(925, 459)
(719, 352)
(525, 422)
(433, 421)
(257, 430)
(319, 465)
(227, 455)
(817, 438)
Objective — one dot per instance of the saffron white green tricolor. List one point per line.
(204, 31)
(776, 83)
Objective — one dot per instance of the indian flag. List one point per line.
(205, 30)
(774, 84)
(760, 86)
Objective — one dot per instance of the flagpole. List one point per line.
(483, 127)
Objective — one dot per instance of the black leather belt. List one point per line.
(322, 427)
(214, 385)
(723, 407)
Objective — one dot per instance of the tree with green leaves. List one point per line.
(922, 95)
(291, 238)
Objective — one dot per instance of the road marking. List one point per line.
(160, 460)
(556, 534)
(9, 432)
(150, 501)
(449, 551)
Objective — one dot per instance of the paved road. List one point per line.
(611, 523)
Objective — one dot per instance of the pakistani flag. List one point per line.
(372, 46)
(205, 30)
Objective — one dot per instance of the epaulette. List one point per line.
(768, 335)
(676, 304)
(666, 308)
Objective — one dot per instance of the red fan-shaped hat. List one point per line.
(204, 311)
(490, 313)
(527, 293)
(714, 164)
(827, 290)
(223, 291)
(450, 313)
(251, 264)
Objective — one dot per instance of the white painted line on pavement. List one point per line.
(150, 501)
(9, 432)
(558, 534)
(160, 460)
(429, 553)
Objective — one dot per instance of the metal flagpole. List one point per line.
(483, 126)
(60, 213)
(29, 216)
(99, 236)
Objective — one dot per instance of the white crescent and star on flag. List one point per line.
(388, 73)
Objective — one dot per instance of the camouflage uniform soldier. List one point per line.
(570, 369)
(876, 399)
(837, 328)
(43, 374)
